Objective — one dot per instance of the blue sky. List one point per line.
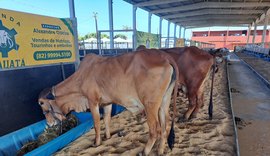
(122, 12)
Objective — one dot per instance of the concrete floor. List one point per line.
(252, 104)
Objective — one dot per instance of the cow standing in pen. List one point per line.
(195, 66)
(143, 80)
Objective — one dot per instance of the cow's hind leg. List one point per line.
(164, 118)
(199, 95)
(192, 104)
(153, 124)
(199, 104)
(107, 119)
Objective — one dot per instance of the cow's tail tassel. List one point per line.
(210, 109)
(171, 137)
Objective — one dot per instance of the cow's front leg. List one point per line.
(96, 116)
(107, 119)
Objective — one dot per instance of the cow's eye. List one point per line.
(40, 103)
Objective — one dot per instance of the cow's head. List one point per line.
(50, 108)
(218, 58)
(141, 47)
(217, 54)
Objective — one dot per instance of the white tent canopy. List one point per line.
(91, 40)
(118, 39)
(105, 39)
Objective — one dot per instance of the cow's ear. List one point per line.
(50, 96)
(78, 104)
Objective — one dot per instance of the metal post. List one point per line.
(174, 35)
(248, 35)
(168, 35)
(184, 35)
(226, 37)
(180, 28)
(160, 31)
(264, 30)
(134, 28)
(97, 33)
(149, 22)
(111, 23)
(99, 43)
(268, 38)
(254, 33)
(74, 26)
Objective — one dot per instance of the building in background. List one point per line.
(229, 38)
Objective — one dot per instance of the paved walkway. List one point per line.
(251, 102)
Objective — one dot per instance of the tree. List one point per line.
(121, 36)
(104, 36)
(90, 35)
(81, 38)
(93, 35)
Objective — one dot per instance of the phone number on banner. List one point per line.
(52, 55)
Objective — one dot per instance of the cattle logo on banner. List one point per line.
(7, 40)
(31, 40)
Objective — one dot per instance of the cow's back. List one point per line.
(128, 78)
(193, 63)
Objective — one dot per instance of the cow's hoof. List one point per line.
(182, 119)
(161, 153)
(107, 137)
(121, 134)
(140, 154)
(94, 145)
(193, 116)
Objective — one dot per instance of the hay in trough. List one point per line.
(50, 134)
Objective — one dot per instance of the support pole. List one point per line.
(264, 30)
(97, 33)
(168, 35)
(226, 37)
(174, 36)
(74, 26)
(180, 28)
(111, 23)
(248, 35)
(160, 31)
(254, 33)
(134, 28)
(184, 35)
(149, 22)
(99, 43)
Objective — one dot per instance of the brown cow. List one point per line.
(143, 80)
(194, 67)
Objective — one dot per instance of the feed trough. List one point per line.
(12, 142)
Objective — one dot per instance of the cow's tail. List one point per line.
(171, 136)
(210, 108)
